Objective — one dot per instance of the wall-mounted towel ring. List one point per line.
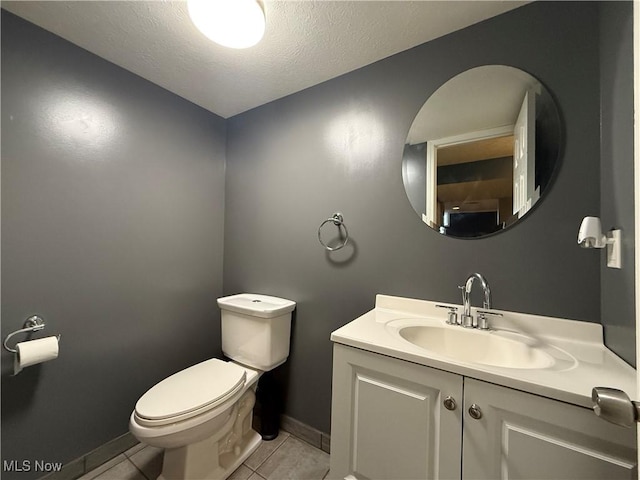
(338, 221)
(31, 324)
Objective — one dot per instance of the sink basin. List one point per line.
(495, 348)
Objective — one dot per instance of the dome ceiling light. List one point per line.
(230, 23)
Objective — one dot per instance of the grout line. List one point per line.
(108, 469)
(305, 441)
(128, 453)
(269, 456)
(99, 470)
(141, 472)
(131, 464)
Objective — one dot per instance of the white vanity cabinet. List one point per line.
(389, 421)
(520, 435)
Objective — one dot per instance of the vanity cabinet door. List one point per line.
(389, 420)
(524, 436)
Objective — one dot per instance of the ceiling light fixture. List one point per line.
(230, 23)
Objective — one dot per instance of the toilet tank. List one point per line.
(256, 329)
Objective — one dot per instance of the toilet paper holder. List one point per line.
(31, 324)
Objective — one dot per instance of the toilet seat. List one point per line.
(190, 392)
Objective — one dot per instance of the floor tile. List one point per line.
(256, 476)
(136, 448)
(302, 430)
(69, 471)
(103, 468)
(242, 473)
(295, 460)
(122, 471)
(149, 461)
(109, 450)
(265, 450)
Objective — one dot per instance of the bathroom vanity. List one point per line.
(416, 398)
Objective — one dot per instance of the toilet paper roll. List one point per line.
(33, 352)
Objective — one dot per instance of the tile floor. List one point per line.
(286, 457)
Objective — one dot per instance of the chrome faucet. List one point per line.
(467, 318)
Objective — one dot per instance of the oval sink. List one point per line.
(499, 349)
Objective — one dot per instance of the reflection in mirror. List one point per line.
(481, 151)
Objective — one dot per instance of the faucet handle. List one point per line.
(483, 321)
(464, 293)
(452, 314)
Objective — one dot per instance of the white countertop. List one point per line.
(581, 359)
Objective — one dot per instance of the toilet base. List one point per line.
(201, 468)
(218, 456)
(231, 462)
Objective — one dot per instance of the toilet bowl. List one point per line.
(202, 415)
(205, 408)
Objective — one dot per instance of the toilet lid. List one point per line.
(197, 388)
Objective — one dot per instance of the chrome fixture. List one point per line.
(475, 412)
(467, 318)
(450, 403)
(452, 314)
(338, 221)
(31, 324)
(483, 321)
(615, 406)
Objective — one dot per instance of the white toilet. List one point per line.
(202, 415)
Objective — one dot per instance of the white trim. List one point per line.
(472, 136)
(432, 181)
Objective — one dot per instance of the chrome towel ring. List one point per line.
(338, 221)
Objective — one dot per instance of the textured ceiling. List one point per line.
(306, 42)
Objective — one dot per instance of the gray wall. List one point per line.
(112, 218)
(616, 150)
(113, 232)
(338, 147)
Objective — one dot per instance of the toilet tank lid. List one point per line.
(257, 305)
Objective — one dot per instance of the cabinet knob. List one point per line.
(449, 403)
(475, 412)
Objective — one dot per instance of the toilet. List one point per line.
(202, 415)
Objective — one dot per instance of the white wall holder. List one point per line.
(590, 236)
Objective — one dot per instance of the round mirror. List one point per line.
(481, 152)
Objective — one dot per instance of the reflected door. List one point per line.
(524, 157)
